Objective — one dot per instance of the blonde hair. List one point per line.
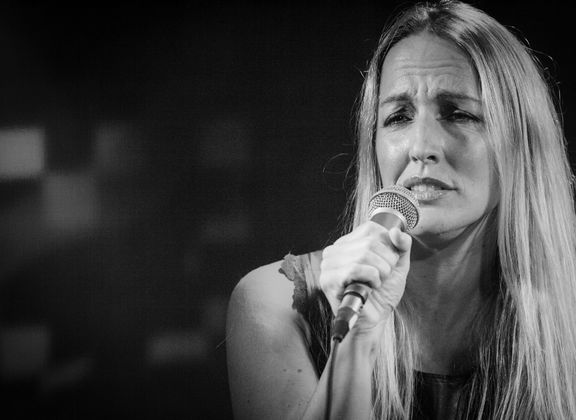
(526, 365)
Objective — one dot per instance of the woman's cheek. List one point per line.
(392, 159)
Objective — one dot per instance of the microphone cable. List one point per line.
(335, 344)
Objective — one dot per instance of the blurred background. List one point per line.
(150, 156)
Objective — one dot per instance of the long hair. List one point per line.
(526, 363)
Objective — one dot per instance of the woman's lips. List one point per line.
(427, 189)
(424, 192)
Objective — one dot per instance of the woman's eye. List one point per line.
(396, 118)
(461, 116)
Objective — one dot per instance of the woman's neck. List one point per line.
(448, 285)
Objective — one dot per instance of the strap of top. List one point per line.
(309, 300)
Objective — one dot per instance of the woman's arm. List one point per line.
(271, 373)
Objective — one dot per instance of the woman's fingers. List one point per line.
(372, 255)
(368, 229)
(335, 281)
(403, 243)
(343, 264)
(401, 240)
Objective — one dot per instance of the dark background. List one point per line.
(153, 155)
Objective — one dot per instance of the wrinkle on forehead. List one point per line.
(425, 63)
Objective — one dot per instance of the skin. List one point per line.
(440, 269)
(431, 124)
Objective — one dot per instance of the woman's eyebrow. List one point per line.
(446, 95)
(400, 97)
(443, 95)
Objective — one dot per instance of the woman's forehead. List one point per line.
(427, 65)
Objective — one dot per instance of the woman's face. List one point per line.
(431, 136)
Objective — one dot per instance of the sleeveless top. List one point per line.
(437, 396)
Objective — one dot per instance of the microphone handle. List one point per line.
(356, 293)
(352, 303)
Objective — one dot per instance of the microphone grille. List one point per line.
(399, 199)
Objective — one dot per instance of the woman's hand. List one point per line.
(373, 255)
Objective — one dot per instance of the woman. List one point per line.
(472, 314)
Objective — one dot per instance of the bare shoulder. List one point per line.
(263, 296)
(266, 345)
(262, 286)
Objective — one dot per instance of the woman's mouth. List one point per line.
(427, 189)
(424, 192)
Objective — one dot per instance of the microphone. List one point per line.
(394, 206)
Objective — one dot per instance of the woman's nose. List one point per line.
(425, 144)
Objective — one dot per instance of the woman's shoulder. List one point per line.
(275, 284)
(265, 296)
(267, 340)
(262, 300)
(263, 286)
